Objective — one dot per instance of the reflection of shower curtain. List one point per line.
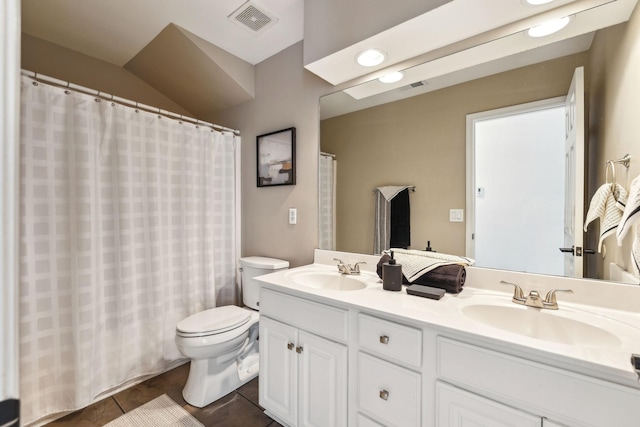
(327, 215)
(128, 226)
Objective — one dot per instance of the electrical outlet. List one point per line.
(293, 216)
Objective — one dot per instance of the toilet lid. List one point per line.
(213, 321)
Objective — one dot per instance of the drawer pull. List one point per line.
(384, 339)
(290, 346)
(299, 349)
(384, 395)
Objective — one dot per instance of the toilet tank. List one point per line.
(256, 266)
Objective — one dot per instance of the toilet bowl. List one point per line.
(222, 342)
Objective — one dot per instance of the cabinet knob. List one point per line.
(384, 339)
(299, 350)
(384, 395)
(290, 346)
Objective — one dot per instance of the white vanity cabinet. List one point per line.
(372, 358)
(457, 407)
(554, 397)
(303, 376)
(389, 382)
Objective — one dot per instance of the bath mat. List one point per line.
(160, 412)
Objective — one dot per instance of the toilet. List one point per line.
(222, 342)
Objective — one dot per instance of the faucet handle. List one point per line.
(342, 267)
(356, 267)
(518, 294)
(550, 301)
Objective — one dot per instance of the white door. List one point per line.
(278, 378)
(323, 381)
(459, 408)
(574, 182)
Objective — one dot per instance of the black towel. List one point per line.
(400, 220)
(448, 277)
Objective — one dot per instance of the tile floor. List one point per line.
(238, 409)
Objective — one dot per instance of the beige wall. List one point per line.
(615, 125)
(286, 96)
(421, 141)
(56, 61)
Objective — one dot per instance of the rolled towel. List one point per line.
(451, 278)
(384, 258)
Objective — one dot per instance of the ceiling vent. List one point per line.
(417, 84)
(253, 18)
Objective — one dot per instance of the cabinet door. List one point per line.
(547, 423)
(278, 378)
(322, 381)
(459, 408)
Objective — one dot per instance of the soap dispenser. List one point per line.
(391, 275)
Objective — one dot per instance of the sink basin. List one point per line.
(329, 280)
(572, 328)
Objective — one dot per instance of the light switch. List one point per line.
(456, 215)
(293, 216)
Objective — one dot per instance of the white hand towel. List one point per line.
(604, 206)
(391, 191)
(629, 221)
(415, 263)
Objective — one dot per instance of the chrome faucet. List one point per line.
(344, 268)
(534, 299)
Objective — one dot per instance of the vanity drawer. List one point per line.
(367, 422)
(386, 338)
(544, 390)
(389, 393)
(321, 319)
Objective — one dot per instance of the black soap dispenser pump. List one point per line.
(391, 275)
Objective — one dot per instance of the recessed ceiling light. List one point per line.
(371, 57)
(392, 77)
(549, 27)
(538, 2)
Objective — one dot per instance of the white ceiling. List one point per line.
(116, 30)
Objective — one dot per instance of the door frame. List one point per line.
(472, 119)
(9, 220)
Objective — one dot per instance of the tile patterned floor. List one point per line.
(238, 409)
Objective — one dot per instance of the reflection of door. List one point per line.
(574, 170)
(516, 202)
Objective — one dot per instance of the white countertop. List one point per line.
(446, 315)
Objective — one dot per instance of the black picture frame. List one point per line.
(276, 158)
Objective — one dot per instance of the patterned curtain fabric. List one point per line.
(128, 225)
(327, 215)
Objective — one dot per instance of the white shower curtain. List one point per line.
(327, 214)
(128, 225)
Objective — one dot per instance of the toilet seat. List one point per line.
(213, 321)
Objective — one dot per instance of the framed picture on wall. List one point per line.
(276, 158)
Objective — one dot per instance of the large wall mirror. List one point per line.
(416, 134)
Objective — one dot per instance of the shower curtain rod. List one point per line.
(122, 101)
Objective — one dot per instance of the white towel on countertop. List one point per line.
(605, 207)
(631, 220)
(415, 263)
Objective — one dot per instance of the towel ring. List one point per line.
(611, 167)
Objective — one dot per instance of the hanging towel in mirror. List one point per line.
(383, 217)
(631, 220)
(605, 207)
